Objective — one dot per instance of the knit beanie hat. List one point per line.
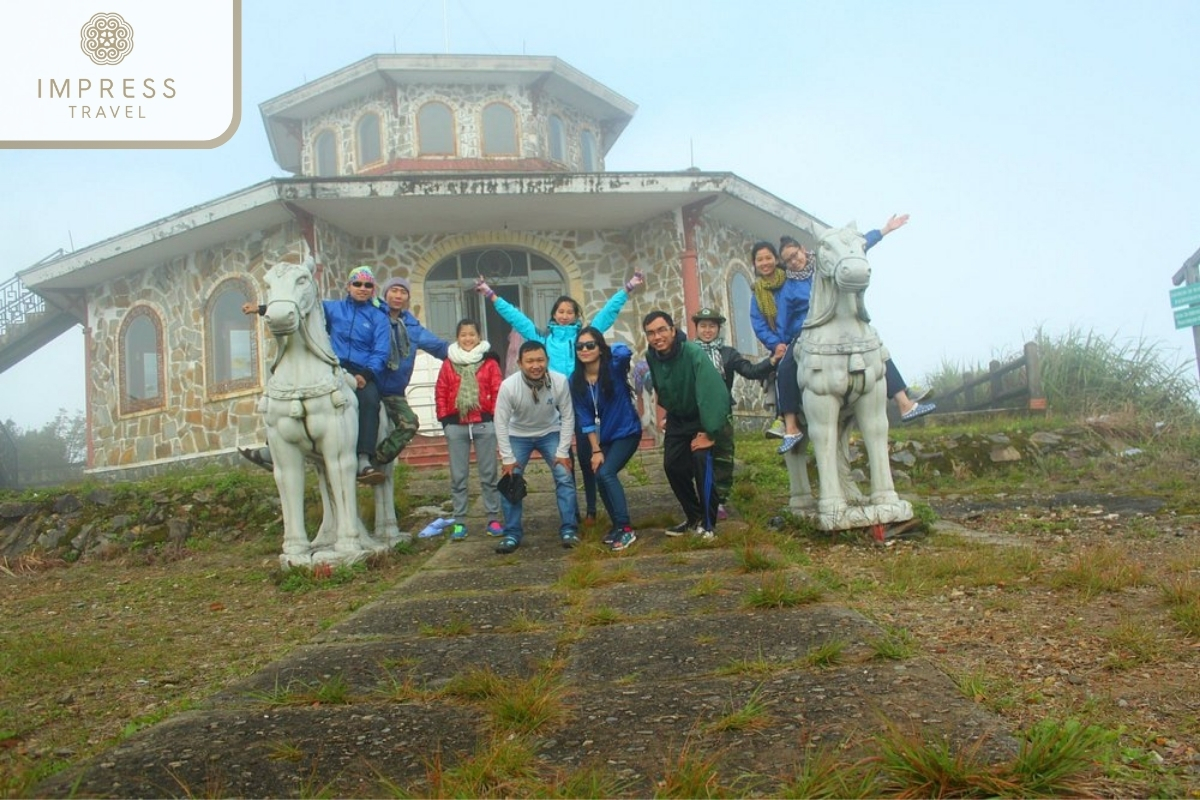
(363, 274)
(396, 282)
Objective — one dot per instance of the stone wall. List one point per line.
(192, 421)
(398, 108)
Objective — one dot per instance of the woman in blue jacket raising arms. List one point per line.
(559, 335)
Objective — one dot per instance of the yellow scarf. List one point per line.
(764, 293)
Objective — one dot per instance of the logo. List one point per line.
(106, 39)
(75, 79)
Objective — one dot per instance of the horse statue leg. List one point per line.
(288, 469)
(871, 412)
(824, 413)
(387, 531)
(326, 536)
(800, 489)
(850, 488)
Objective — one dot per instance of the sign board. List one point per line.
(1187, 317)
(1185, 295)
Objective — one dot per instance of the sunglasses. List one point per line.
(362, 284)
(586, 346)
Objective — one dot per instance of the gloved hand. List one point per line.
(637, 280)
(482, 287)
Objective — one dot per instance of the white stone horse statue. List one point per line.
(840, 369)
(311, 413)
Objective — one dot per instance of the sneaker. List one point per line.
(495, 528)
(705, 534)
(569, 540)
(682, 529)
(611, 536)
(919, 393)
(775, 429)
(790, 441)
(458, 532)
(721, 512)
(626, 537)
(919, 410)
(507, 545)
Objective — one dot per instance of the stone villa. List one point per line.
(437, 168)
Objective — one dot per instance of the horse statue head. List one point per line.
(293, 306)
(842, 271)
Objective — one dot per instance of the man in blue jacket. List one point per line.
(359, 333)
(407, 336)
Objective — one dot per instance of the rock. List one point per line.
(1045, 438)
(999, 438)
(67, 504)
(178, 530)
(1001, 455)
(16, 510)
(101, 497)
(904, 457)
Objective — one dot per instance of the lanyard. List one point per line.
(593, 392)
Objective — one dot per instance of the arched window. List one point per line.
(367, 136)
(435, 130)
(325, 148)
(744, 339)
(587, 143)
(142, 379)
(558, 141)
(499, 130)
(231, 340)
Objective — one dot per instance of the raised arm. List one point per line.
(612, 309)
(895, 222)
(511, 314)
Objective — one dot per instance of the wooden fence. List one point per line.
(1017, 384)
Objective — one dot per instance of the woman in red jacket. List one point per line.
(466, 399)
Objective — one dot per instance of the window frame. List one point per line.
(337, 167)
(421, 153)
(126, 403)
(214, 336)
(515, 130)
(559, 138)
(358, 139)
(585, 137)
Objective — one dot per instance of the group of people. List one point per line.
(569, 399)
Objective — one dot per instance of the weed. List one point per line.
(496, 769)
(755, 666)
(319, 576)
(602, 615)
(822, 774)
(475, 684)
(1132, 644)
(776, 592)
(1056, 756)
(334, 690)
(896, 644)
(912, 767)
(1100, 570)
(826, 654)
(749, 716)
(691, 775)
(1187, 618)
(708, 584)
(284, 751)
(753, 559)
(522, 622)
(529, 706)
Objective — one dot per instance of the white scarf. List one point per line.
(464, 357)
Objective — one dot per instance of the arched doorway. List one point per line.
(528, 280)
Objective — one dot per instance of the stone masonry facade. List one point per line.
(192, 420)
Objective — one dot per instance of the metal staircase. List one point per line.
(27, 321)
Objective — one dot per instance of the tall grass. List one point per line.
(1085, 373)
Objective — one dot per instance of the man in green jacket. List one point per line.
(693, 393)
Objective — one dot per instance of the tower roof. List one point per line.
(282, 114)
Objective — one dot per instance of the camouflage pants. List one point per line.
(722, 452)
(404, 428)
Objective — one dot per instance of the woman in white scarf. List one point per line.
(466, 400)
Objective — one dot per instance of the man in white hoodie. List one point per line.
(534, 413)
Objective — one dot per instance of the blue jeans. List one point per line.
(564, 484)
(616, 455)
